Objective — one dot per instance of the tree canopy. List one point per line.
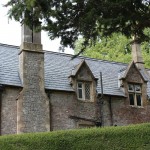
(115, 48)
(92, 19)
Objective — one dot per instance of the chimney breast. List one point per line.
(137, 55)
(33, 108)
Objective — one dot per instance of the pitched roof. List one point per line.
(58, 67)
(78, 67)
(142, 73)
(9, 65)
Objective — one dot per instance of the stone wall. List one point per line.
(9, 110)
(64, 105)
(123, 113)
(33, 103)
(116, 111)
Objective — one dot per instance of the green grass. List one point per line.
(134, 137)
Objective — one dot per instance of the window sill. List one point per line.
(85, 101)
(136, 106)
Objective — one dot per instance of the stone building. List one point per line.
(45, 91)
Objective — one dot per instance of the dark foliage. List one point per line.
(90, 18)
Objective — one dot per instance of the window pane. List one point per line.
(131, 96)
(130, 87)
(80, 93)
(138, 98)
(137, 88)
(87, 91)
(79, 85)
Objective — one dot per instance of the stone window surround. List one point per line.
(83, 90)
(135, 93)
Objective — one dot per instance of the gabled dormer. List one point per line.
(83, 82)
(134, 83)
(133, 74)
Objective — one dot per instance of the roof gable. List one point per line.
(134, 73)
(82, 68)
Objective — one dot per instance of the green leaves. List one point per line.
(90, 18)
(115, 48)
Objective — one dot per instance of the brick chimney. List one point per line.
(33, 111)
(137, 55)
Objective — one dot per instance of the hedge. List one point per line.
(133, 137)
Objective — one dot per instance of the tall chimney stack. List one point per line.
(137, 55)
(33, 110)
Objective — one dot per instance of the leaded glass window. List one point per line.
(84, 90)
(135, 94)
(87, 91)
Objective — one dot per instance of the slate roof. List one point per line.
(9, 74)
(58, 68)
(123, 73)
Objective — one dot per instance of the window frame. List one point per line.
(83, 97)
(135, 92)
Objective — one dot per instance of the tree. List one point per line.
(111, 48)
(90, 18)
(115, 48)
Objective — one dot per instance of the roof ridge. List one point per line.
(8, 45)
(86, 58)
(70, 55)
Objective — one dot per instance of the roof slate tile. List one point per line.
(58, 68)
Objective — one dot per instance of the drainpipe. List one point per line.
(111, 112)
(1, 89)
(50, 108)
(100, 103)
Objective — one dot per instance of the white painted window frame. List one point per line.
(83, 90)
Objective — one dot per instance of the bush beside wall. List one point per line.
(134, 137)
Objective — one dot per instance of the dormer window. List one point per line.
(84, 90)
(83, 82)
(135, 94)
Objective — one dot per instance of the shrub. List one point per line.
(134, 137)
